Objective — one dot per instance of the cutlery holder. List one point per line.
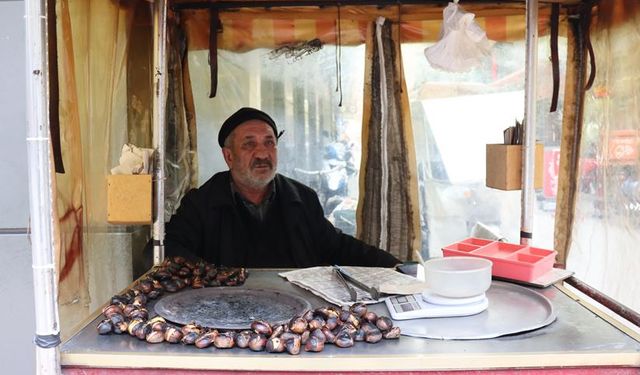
(504, 166)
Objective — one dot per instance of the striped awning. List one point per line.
(247, 29)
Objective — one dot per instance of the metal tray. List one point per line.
(230, 307)
(512, 309)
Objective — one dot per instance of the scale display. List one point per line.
(414, 307)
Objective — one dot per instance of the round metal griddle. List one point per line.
(230, 307)
(512, 309)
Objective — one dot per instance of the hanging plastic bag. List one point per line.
(462, 45)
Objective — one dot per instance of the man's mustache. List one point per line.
(262, 162)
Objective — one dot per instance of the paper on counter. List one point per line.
(323, 282)
(134, 160)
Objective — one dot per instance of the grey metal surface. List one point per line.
(576, 330)
(17, 355)
(14, 200)
(230, 307)
(512, 309)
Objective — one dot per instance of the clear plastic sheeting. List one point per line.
(92, 54)
(181, 161)
(462, 45)
(321, 143)
(454, 116)
(604, 250)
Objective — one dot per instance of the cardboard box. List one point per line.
(129, 199)
(504, 166)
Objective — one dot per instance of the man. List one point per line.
(251, 216)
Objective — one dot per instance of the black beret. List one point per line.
(243, 115)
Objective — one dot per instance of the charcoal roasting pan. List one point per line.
(230, 307)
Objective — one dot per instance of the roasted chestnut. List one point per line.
(224, 340)
(384, 323)
(293, 344)
(393, 333)
(172, 334)
(111, 310)
(297, 325)
(260, 326)
(344, 339)
(190, 337)
(274, 345)
(105, 327)
(257, 342)
(205, 339)
(242, 339)
(134, 325)
(370, 316)
(373, 336)
(155, 337)
(314, 344)
(359, 309)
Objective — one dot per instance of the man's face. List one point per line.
(251, 153)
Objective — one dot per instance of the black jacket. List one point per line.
(208, 225)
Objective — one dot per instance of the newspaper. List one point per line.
(323, 282)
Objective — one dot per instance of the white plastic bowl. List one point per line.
(458, 277)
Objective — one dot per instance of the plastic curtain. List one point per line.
(92, 49)
(604, 237)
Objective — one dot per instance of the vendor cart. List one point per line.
(83, 105)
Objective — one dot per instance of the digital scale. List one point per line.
(429, 305)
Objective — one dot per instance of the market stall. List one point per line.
(575, 337)
(578, 341)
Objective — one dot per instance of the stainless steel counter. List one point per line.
(578, 338)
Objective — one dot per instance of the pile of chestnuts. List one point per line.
(309, 331)
(172, 275)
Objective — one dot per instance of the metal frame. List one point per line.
(159, 122)
(618, 308)
(529, 146)
(231, 4)
(41, 191)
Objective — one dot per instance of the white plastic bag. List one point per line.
(462, 45)
(134, 160)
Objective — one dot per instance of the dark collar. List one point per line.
(236, 195)
(220, 194)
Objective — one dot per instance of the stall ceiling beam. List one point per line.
(231, 4)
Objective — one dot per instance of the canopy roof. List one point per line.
(276, 3)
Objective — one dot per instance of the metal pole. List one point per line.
(159, 120)
(41, 195)
(529, 144)
(613, 305)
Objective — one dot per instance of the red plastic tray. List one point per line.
(512, 261)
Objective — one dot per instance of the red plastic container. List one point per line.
(512, 261)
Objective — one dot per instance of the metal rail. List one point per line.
(618, 308)
(159, 121)
(529, 145)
